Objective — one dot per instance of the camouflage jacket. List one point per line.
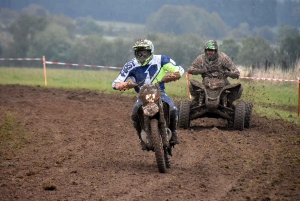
(221, 64)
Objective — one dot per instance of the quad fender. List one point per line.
(196, 83)
(236, 91)
(194, 86)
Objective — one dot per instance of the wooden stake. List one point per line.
(298, 96)
(45, 73)
(188, 85)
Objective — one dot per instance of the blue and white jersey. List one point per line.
(153, 72)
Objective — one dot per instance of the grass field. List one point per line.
(276, 100)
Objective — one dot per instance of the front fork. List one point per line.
(163, 125)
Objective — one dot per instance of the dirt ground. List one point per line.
(80, 145)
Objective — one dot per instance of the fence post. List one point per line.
(45, 73)
(298, 96)
(188, 84)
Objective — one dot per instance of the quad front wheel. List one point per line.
(239, 116)
(184, 114)
(248, 114)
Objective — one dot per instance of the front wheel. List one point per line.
(184, 114)
(248, 114)
(239, 116)
(158, 146)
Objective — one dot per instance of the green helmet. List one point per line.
(211, 45)
(142, 45)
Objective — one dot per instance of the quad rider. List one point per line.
(148, 68)
(213, 63)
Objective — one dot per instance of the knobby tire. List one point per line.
(158, 146)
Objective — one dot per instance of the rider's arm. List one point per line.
(175, 73)
(197, 67)
(230, 68)
(168, 65)
(120, 82)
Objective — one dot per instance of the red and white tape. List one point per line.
(269, 79)
(119, 68)
(21, 59)
(82, 65)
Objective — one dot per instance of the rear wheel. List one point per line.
(239, 116)
(158, 146)
(248, 114)
(184, 114)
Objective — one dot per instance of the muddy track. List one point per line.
(80, 145)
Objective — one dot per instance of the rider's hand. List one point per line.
(230, 74)
(226, 73)
(196, 71)
(125, 85)
(131, 84)
(171, 77)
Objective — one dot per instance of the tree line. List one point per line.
(86, 41)
(257, 13)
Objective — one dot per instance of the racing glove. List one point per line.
(171, 77)
(231, 74)
(125, 85)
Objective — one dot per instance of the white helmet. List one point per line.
(142, 45)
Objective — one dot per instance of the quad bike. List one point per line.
(214, 99)
(154, 117)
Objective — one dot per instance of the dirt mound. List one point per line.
(80, 145)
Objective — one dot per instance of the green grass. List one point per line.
(275, 100)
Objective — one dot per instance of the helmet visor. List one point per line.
(142, 55)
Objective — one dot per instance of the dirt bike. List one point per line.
(154, 116)
(154, 119)
(214, 99)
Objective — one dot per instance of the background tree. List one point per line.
(96, 50)
(284, 30)
(173, 19)
(7, 17)
(66, 22)
(24, 30)
(53, 42)
(88, 26)
(255, 51)
(230, 47)
(265, 32)
(290, 49)
(239, 33)
(183, 49)
(5, 41)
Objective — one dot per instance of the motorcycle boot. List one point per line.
(138, 129)
(175, 138)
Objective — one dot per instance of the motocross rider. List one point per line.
(212, 61)
(147, 68)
